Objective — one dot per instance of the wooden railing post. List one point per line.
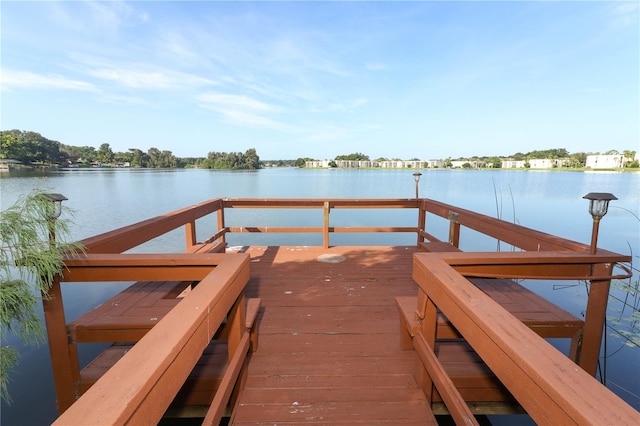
(64, 356)
(595, 315)
(236, 324)
(190, 233)
(221, 224)
(325, 227)
(422, 222)
(427, 316)
(454, 229)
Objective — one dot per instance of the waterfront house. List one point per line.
(597, 161)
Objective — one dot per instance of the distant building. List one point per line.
(387, 164)
(614, 161)
(513, 164)
(535, 163)
(458, 164)
(317, 164)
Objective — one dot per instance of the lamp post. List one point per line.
(416, 177)
(54, 213)
(598, 206)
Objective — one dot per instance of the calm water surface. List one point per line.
(107, 199)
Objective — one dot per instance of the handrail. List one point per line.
(137, 267)
(525, 363)
(518, 236)
(334, 203)
(549, 265)
(125, 238)
(511, 233)
(139, 388)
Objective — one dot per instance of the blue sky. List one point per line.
(320, 79)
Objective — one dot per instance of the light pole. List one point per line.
(54, 213)
(416, 177)
(598, 206)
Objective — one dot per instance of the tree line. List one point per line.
(29, 147)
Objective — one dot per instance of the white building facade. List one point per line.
(615, 161)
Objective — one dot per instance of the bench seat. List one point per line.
(204, 379)
(477, 385)
(130, 314)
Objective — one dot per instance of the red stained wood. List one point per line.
(329, 331)
(329, 347)
(518, 357)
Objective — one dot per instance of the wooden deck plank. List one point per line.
(329, 348)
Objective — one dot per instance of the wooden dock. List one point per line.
(332, 334)
(329, 344)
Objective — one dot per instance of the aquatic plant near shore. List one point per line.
(30, 259)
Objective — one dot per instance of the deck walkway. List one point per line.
(329, 349)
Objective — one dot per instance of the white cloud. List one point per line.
(30, 80)
(151, 79)
(136, 75)
(234, 101)
(242, 110)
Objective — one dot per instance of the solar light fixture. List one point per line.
(598, 206)
(416, 177)
(57, 200)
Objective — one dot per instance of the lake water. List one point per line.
(107, 199)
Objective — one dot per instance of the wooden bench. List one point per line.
(479, 387)
(205, 378)
(545, 318)
(130, 314)
(550, 387)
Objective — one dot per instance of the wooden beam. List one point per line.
(64, 357)
(140, 267)
(547, 384)
(122, 239)
(139, 388)
(595, 316)
(454, 402)
(561, 265)
(221, 398)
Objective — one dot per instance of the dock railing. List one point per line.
(598, 268)
(545, 383)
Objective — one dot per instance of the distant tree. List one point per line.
(105, 154)
(77, 154)
(12, 145)
(333, 164)
(154, 158)
(251, 159)
(28, 260)
(138, 158)
(496, 162)
(578, 159)
(353, 157)
(630, 160)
